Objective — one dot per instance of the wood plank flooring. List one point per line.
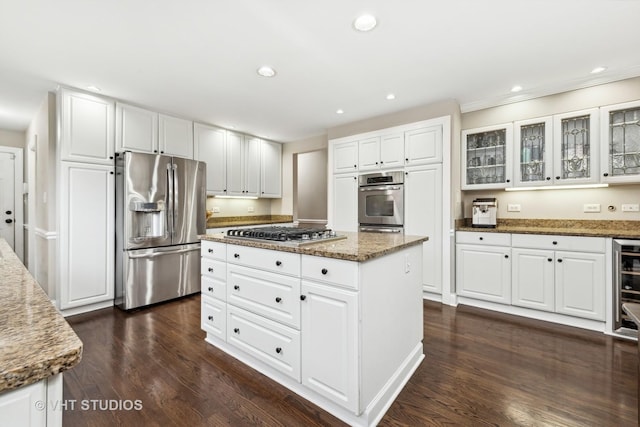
(481, 368)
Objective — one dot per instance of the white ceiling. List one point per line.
(198, 58)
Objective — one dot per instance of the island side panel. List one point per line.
(391, 318)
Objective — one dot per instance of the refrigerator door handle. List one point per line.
(170, 199)
(174, 195)
(157, 253)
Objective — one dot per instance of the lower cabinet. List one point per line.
(533, 281)
(35, 405)
(580, 284)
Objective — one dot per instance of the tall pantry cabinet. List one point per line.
(85, 187)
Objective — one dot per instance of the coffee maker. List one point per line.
(484, 212)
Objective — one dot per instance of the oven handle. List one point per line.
(382, 230)
(382, 188)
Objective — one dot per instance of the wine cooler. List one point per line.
(626, 280)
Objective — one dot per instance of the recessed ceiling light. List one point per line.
(598, 70)
(365, 23)
(516, 88)
(94, 88)
(266, 71)
(340, 111)
(391, 96)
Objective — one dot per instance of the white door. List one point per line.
(345, 202)
(484, 272)
(532, 279)
(7, 198)
(580, 284)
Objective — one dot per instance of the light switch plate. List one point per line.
(591, 207)
(216, 209)
(631, 207)
(513, 207)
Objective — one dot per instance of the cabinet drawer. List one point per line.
(214, 317)
(335, 271)
(276, 261)
(270, 342)
(213, 287)
(271, 295)
(213, 268)
(485, 238)
(564, 243)
(213, 250)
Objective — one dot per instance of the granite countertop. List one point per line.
(35, 340)
(241, 221)
(568, 227)
(356, 247)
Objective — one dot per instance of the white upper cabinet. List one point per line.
(620, 142)
(271, 169)
(345, 157)
(87, 128)
(422, 146)
(381, 152)
(369, 153)
(486, 157)
(533, 152)
(175, 136)
(576, 147)
(235, 169)
(136, 129)
(210, 144)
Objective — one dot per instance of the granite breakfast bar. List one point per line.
(337, 322)
(36, 346)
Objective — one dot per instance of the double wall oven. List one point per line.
(381, 202)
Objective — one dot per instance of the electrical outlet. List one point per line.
(250, 209)
(216, 209)
(631, 207)
(591, 207)
(513, 208)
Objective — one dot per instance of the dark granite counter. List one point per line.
(568, 227)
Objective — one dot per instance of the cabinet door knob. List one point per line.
(303, 297)
(210, 289)
(324, 271)
(210, 270)
(506, 256)
(236, 287)
(355, 166)
(406, 159)
(508, 180)
(236, 255)
(548, 178)
(557, 177)
(605, 174)
(481, 238)
(549, 259)
(376, 163)
(554, 242)
(8, 221)
(278, 350)
(210, 318)
(278, 299)
(8, 212)
(210, 251)
(236, 330)
(278, 263)
(560, 260)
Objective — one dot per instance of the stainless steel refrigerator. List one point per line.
(160, 211)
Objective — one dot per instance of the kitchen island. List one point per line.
(36, 346)
(339, 322)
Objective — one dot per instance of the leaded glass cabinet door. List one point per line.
(620, 134)
(486, 157)
(576, 147)
(533, 166)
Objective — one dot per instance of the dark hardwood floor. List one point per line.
(481, 368)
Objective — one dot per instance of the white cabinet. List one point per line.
(533, 152)
(486, 157)
(136, 129)
(175, 136)
(533, 281)
(484, 272)
(330, 343)
(345, 157)
(86, 234)
(381, 152)
(345, 202)
(422, 146)
(620, 143)
(210, 143)
(270, 169)
(21, 407)
(576, 148)
(86, 128)
(243, 165)
(423, 217)
(580, 284)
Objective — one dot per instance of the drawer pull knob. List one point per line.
(236, 255)
(278, 263)
(303, 297)
(236, 330)
(210, 318)
(554, 242)
(560, 260)
(324, 271)
(210, 251)
(278, 350)
(236, 287)
(210, 270)
(278, 299)
(481, 238)
(210, 289)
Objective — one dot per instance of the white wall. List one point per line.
(12, 138)
(239, 207)
(310, 186)
(560, 204)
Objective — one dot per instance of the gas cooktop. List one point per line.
(291, 236)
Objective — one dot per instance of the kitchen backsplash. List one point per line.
(238, 207)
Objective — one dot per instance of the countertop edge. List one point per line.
(615, 234)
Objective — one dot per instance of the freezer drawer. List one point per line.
(154, 275)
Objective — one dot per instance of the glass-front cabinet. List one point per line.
(620, 135)
(533, 152)
(576, 147)
(486, 157)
